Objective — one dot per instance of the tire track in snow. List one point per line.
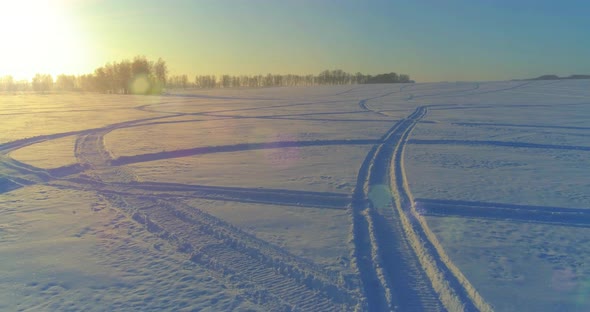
(256, 266)
(8, 147)
(511, 144)
(489, 124)
(454, 290)
(277, 197)
(363, 103)
(25, 174)
(16, 174)
(573, 217)
(266, 274)
(125, 160)
(252, 195)
(391, 279)
(300, 117)
(147, 108)
(401, 264)
(7, 184)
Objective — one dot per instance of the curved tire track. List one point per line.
(455, 291)
(401, 264)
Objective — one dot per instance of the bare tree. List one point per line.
(124, 75)
(42, 83)
(8, 84)
(161, 73)
(65, 82)
(147, 77)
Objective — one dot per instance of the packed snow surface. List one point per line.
(411, 197)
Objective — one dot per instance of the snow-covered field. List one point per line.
(418, 197)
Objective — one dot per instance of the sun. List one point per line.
(39, 36)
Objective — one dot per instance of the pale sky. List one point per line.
(437, 40)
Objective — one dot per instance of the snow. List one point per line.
(515, 261)
(64, 250)
(315, 168)
(229, 131)
(307, 198)
(29, 115)
(48, 155)
(316, 234)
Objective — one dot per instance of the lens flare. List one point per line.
(380, 195)
(583, 294)
(140, 85)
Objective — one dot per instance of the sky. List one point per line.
(435, 40)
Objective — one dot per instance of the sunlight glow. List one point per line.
(140, 85)
(38, 36)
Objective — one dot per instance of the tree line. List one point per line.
(142, 76)
(326, 77)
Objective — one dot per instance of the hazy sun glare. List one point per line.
(38, 36)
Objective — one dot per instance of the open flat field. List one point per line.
(407, 197)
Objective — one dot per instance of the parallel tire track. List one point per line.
(407, 270)
(287, 282)
(455, 291)
(391, 279)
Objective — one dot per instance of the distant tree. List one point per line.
(140, 66)
(47, 83)
(87, 83)
(338, 76)
(7, 84)
(360, 78)
(42, 83)
(236, 81)
(201, 81)
(36, 83)
(100, 83)
(110, 70)
(141, 75)
(65, 82)
(161, 74)
(22, 86)
(403, 78)
(225, 81)
(326, 77)
(395, 78)
(205, 81)
(178, 81)
(184, 81)
(123, 75)
(387, 78)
